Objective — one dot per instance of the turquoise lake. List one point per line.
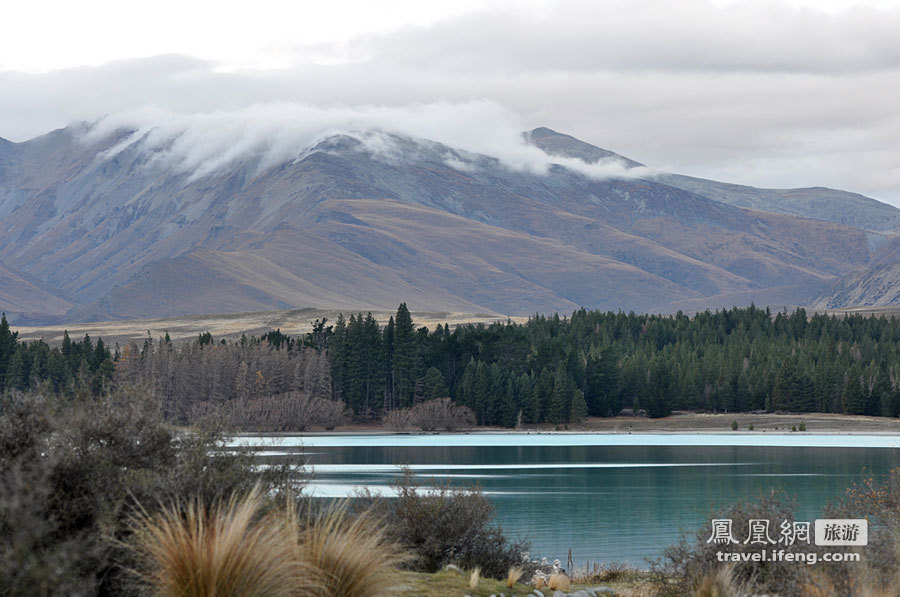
(606, 496)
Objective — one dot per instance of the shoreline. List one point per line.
(686, 424)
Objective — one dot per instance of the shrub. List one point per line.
(802, 426)
(443, 525)
(750, 427)
(441, 413)
(880, 504)
(734, 425)
(399, 420)
(689, 565)
(71, 472)
(288, 411)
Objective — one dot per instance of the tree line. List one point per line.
(551, 369)
(560, 369)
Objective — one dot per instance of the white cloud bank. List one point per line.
(769, 93)
(275, 133)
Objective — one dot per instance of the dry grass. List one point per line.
(229, 549)
(235, 549)
(559, 582)
(475, 578)
(349, 556)
(513, 576)
(232, 325)
(722, 583)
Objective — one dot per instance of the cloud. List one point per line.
(778, 94)
(274, 133)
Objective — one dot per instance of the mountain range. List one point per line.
(97, 227)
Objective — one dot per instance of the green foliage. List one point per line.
(72, 472)
(735, 360)
(67, 370)
(435, 386)
(734, 425)
(444, 525)
(578, 410)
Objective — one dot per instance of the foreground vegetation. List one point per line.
(101, 496)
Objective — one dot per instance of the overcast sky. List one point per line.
(787, 93)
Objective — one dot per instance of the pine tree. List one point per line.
(508, 410)
(578, 411)
(387, 351)
(435, 386)
(8, 345)
(542, 391)
(658, 390)
(880, 397)
(853, 399)
(466, 393)
(337, 353)
(561, 396)
(482, 392)
(405, 365)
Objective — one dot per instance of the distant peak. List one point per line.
(543, 131)
(556, 143)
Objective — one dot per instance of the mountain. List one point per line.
(876, 287)
(108, 223)
(821, 203)
(27, 299)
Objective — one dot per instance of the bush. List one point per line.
(880, 504)
(688, 566)
(443, 525)
(802, 426)
(441, 413)
(289, 411)
(734, 425)
(71, 473)
(399, 420)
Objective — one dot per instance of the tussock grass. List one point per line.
(559, 582)
(348, 556)
(475, 578)
(513, 576)
(228, 549)
(722, 583)
(237, 548)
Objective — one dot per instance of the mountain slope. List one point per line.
(820, 203)
(830, 205)
(877, 287)
(352, 224)
(26, 299)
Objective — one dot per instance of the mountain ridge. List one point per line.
(440, 228)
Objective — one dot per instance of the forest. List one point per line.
(551, 369)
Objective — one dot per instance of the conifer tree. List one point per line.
(405, 357)
(578, 411)
(561, 396)
(8, 345)
(435, 386)
(853, 399)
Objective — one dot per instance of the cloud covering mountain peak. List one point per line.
(274, 133)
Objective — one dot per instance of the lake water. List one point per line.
(607, 496)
